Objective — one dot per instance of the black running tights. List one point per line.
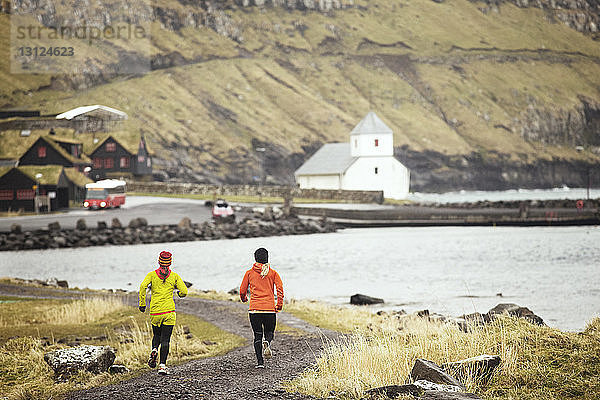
(262, 322)
(162, 337)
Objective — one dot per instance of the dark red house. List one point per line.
(126, 157)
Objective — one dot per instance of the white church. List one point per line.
(367, 162)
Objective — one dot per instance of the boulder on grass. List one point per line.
(480, 367)
(361, 300)
(66, 362)
(393, 391)
(430, 371)
(515, 311)
(426, 385)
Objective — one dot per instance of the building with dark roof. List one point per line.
(115, 158)
(54, 150)
(19, 186)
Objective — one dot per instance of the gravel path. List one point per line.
(231, 376)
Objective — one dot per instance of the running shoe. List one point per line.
(152, 358)
(162, 369)
(267, 352)
(258, 366)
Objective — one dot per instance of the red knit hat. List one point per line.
(165, 258)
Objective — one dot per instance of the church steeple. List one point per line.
(371, 137)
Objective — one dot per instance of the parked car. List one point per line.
(222, 211)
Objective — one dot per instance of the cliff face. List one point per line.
(480, 94)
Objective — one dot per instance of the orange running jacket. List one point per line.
(261, 289)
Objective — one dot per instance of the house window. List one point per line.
(111, 146)
(6, 194)
(376, 170)
(124, 163)
(97, 163)
(141, 159)
(376, 142)
(25, 194)
(75, 151)
(108, 163)
(42, 152)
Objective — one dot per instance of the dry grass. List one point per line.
(341, 319)
(537, 362)
(84, 311)
(31, 328)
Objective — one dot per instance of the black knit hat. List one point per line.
(261, 255)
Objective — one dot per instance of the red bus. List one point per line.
(107, 193)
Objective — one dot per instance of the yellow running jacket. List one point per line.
(161, 300)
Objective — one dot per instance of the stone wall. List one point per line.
(268, 223)
(350, 196)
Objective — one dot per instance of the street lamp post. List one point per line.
(261, 160)
(36, 201)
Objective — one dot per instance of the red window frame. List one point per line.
(25, 194)
(7, 194)
(124, 162)
(41, 152)
(109, 163)
(97, 163)
(111, 146)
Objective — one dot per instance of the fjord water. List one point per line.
(555, 271)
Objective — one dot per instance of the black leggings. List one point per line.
(262, 322)
(162, 337)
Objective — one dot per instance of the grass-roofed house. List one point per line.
(119, 155)
(54, 150)
(18, 186)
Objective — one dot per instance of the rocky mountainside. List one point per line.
(480, 94)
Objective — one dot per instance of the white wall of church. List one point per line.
(319, 181)
(391, 176)
(364, 145)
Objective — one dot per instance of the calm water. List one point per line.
(554, 271)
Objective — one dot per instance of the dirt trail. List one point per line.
(231, 376)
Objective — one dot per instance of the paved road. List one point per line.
(157, 210)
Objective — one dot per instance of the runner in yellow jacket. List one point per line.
(162, 282)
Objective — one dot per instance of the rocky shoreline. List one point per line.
(138, 231)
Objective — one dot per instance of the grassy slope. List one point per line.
(326, 86)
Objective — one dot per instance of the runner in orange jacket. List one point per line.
(260, 280)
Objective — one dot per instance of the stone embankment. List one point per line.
(138, 231)
(517, 204)
(343, 196)
(483, 213)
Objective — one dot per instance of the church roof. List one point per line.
(371, 123)
(332, 158)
